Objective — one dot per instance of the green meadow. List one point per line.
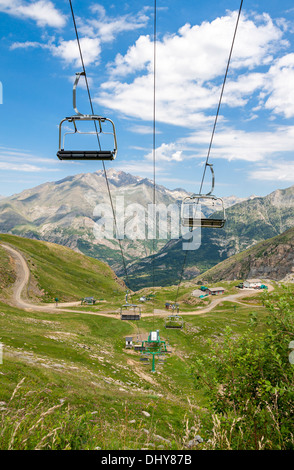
(68, 381)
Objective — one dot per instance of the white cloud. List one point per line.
(13, 159)
(92, 31)
(279, 87)
(274, 171)
(43, 12)
(69, 51)
(190, 68)
(167, 152)
(233, 144)
(143, 129)
(20, 167)
(27, 45)
(174, 105)
(107, 28)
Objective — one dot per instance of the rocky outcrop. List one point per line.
(272, 259)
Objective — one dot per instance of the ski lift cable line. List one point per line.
(103, 164)
(221, 96)
(154, 146)
(213, 130)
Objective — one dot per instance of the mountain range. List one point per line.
(248, 223)
(63, 212)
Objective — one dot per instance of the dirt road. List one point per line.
(22, 279)
(229, 298)
(23, 276)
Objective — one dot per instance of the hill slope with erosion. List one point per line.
(57, 271)
(270, 259)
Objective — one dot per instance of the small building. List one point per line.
(129, 342)
(216, 290)
(252, 283)
(172, 306)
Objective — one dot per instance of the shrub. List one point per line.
(249, 382)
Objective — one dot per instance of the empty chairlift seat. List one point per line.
(203, 210)
(174, 321)
(198, 211)
(103, 129)
(130, 312)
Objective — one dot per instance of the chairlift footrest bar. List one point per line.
(193, 223)
(85, 155)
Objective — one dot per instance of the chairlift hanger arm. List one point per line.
(212, 178)
(74, 97)
(74, 91)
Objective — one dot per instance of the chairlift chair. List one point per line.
(174, 320)
(130, 312)
(193, 217)
(98, 121)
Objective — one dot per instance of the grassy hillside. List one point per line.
(7, 272)
(67, 381)
(272, 258)
(60, 272)
(81, 389)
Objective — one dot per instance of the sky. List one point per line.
(253, 145)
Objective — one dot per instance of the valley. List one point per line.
(63, 212)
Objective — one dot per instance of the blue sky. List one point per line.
(253, 147)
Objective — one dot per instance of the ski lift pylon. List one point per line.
(154, 346)
(191, 210)
(99, 122)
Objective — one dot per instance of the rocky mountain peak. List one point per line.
(119, 178)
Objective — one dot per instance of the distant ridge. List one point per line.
(248, 223)
(271, 259)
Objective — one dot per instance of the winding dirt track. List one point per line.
(23, 276)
